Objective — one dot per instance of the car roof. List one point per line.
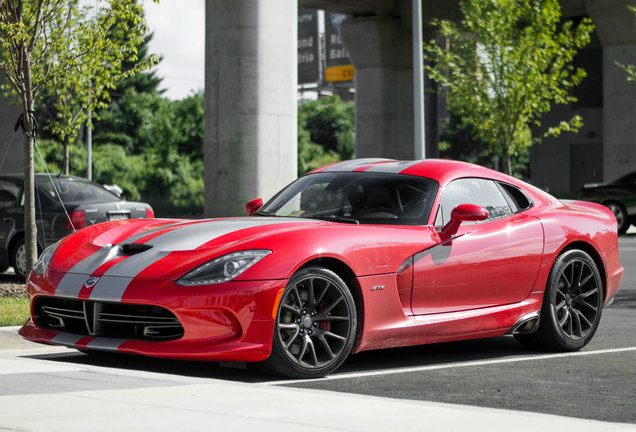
(41, 176)
(441, 170)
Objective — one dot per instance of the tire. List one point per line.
(622, 218)
(572, 305)
(18, 259)
(316, 325)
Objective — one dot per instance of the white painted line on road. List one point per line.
(453, 365)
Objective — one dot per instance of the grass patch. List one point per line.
(14, 311)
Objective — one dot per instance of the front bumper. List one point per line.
(232, 321)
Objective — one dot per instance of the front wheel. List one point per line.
(572, 304)
(315, 325)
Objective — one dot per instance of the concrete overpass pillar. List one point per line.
(616, 27)
(250, 101)
(380, 48)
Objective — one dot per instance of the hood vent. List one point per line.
(134, 248)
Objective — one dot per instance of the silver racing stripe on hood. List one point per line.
(73, 281)
(112, 285)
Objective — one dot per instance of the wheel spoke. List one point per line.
(335, 336)
(562, 321)
(299, 301)
(325, 311)
(332, 318)
(310, 298)
(577, 268)
(310, 343)
(292, 339)
(325, 344)
(587, 279)
(581, 317)
(303, 349)
(289, 308)
(576, 323)
(322, 293)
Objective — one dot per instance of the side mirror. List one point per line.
(464, 213)
(252, 206)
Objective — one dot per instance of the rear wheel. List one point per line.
(315, 325)
(622, 218)
(572, 304)
(18, 259)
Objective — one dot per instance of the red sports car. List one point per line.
(354, 256)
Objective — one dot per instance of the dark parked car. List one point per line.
(619, 196)
(86, 203)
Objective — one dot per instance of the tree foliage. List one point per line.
(505, 65)
(61, 42)
(151, 147)
(326, 132)
(630, 69)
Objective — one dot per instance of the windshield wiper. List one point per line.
(264, 213)
(333, 218)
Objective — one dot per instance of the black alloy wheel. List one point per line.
(572, 304)
(315, 325)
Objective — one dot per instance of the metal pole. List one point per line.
(418, 83)
(89, 146)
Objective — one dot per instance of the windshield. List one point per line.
(76, 191)
(369, 198)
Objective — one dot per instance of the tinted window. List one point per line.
(75, 191)
(8, 193)
(482, 192)
(516, 198)
(370, 198)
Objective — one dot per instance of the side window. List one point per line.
(8, 194)
(518, 200)
(477, 191)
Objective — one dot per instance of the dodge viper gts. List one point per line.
(354, 256)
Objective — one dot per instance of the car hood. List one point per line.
(168, 249)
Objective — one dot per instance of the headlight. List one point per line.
(43, 260)
(223, 269)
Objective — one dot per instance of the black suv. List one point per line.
(86, 203)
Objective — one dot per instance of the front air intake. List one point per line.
(118, 320)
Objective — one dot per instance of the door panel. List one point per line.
(486, 264)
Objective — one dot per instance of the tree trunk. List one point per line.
(66, 156)
(30, 228)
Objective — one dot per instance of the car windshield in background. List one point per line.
(368, 198)
(76, 191)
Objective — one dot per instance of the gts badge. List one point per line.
(91, 281)
(377, 288)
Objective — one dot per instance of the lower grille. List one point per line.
(120, 320)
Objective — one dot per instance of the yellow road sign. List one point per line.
(339, 73)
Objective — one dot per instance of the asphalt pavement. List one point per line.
(488, 384)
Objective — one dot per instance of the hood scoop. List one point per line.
(134, 248)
